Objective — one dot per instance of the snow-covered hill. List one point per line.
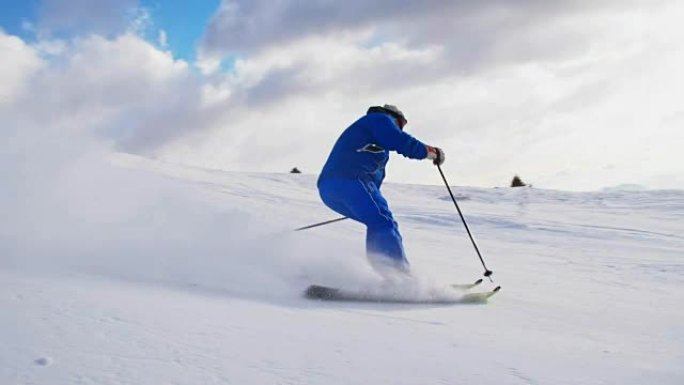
(153, 273)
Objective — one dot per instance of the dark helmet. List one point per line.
(392, 110)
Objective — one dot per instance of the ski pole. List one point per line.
(487, 272)
(320, 224)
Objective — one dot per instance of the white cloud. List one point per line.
(473, 35)
(123, 89)
(18, 64)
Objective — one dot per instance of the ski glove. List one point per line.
(436, 155)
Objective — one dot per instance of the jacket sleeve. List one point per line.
(391, 138)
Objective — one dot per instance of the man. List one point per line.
(351, 179)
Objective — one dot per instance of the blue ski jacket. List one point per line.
(362, 151)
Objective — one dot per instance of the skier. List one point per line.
(351, 178)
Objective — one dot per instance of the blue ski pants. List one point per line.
(362, 201)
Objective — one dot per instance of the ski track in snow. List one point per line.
(197, 280)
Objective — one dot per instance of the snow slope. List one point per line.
(153, 273)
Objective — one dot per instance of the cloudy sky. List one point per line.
(569, 94)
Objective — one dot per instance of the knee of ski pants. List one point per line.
(332, 195)
(358, 200)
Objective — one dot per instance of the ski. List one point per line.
(326, 293)
(480, 297)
